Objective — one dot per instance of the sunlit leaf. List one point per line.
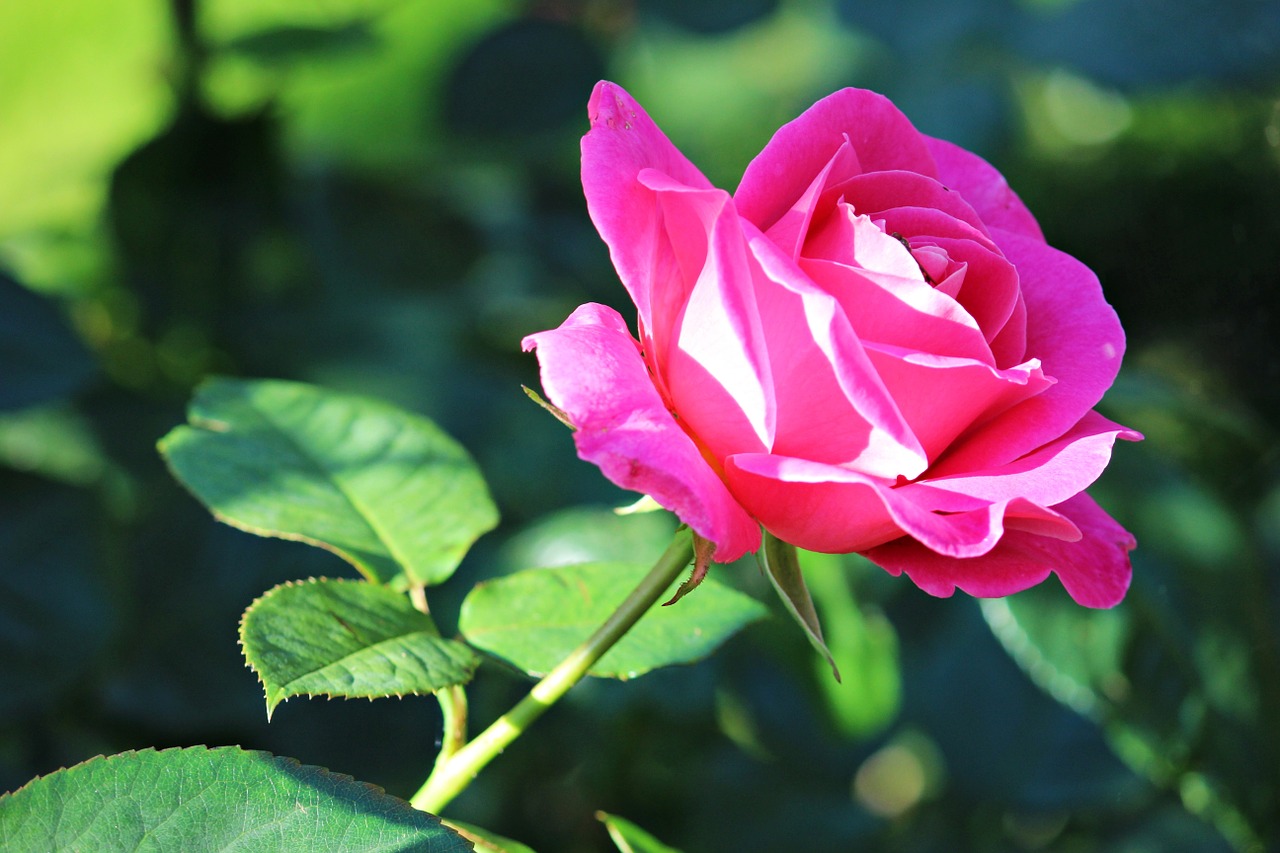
(630, 838)
(384, 489)
(534, 618)
(201, 799)
(350, 639)
(782, 567)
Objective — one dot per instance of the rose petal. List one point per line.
(832, 509)
(983, 188)
(880, 135)
(1048, 476)
(942, 397)
(854, 240)
(790, 231)
(900, 312)
(875, 192)
(1078, 339)
(592, 370)
(711, 354)
(624, 141)
(1095, 570)
(831, 404)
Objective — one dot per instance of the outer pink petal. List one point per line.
(984, 188)
(712, 355)
(832, 509)
(1078, 339)
(881, 136)
(592, 369)
(624, 141)
(1050, 475)
(1094, 570)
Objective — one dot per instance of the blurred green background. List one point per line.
(382, 196)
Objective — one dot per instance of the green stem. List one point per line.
(452, 775)
(453, 707)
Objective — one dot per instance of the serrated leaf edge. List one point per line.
(311, 581)
(203, 748)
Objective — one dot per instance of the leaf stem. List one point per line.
(453, 707)
(453, 774)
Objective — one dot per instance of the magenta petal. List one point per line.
(881, 136)
(710, 352)
(875, 192)
(832, 509)
(1048, 476)
(789, 232)
(942, 397)
(901, 312)
(1095, 570)
(831, 404)
(592, 369)
(1076, 336)
(984, 188)
(853, 239)
(623, 142)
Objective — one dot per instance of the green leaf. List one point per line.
(486, 841)
(350, 639)
(782, 567)
(587, 535)
(534, 618)
(201, 799)
(382, 488)
(630, 838)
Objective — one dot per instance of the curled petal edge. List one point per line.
(1095, 570)
(592, 370)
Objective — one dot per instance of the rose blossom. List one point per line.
(869, 348)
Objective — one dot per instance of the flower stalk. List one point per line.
(453, 773)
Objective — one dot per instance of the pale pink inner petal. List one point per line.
(831, 403)
(900, 312)
(854, 240)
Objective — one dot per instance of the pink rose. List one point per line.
(868, 347)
